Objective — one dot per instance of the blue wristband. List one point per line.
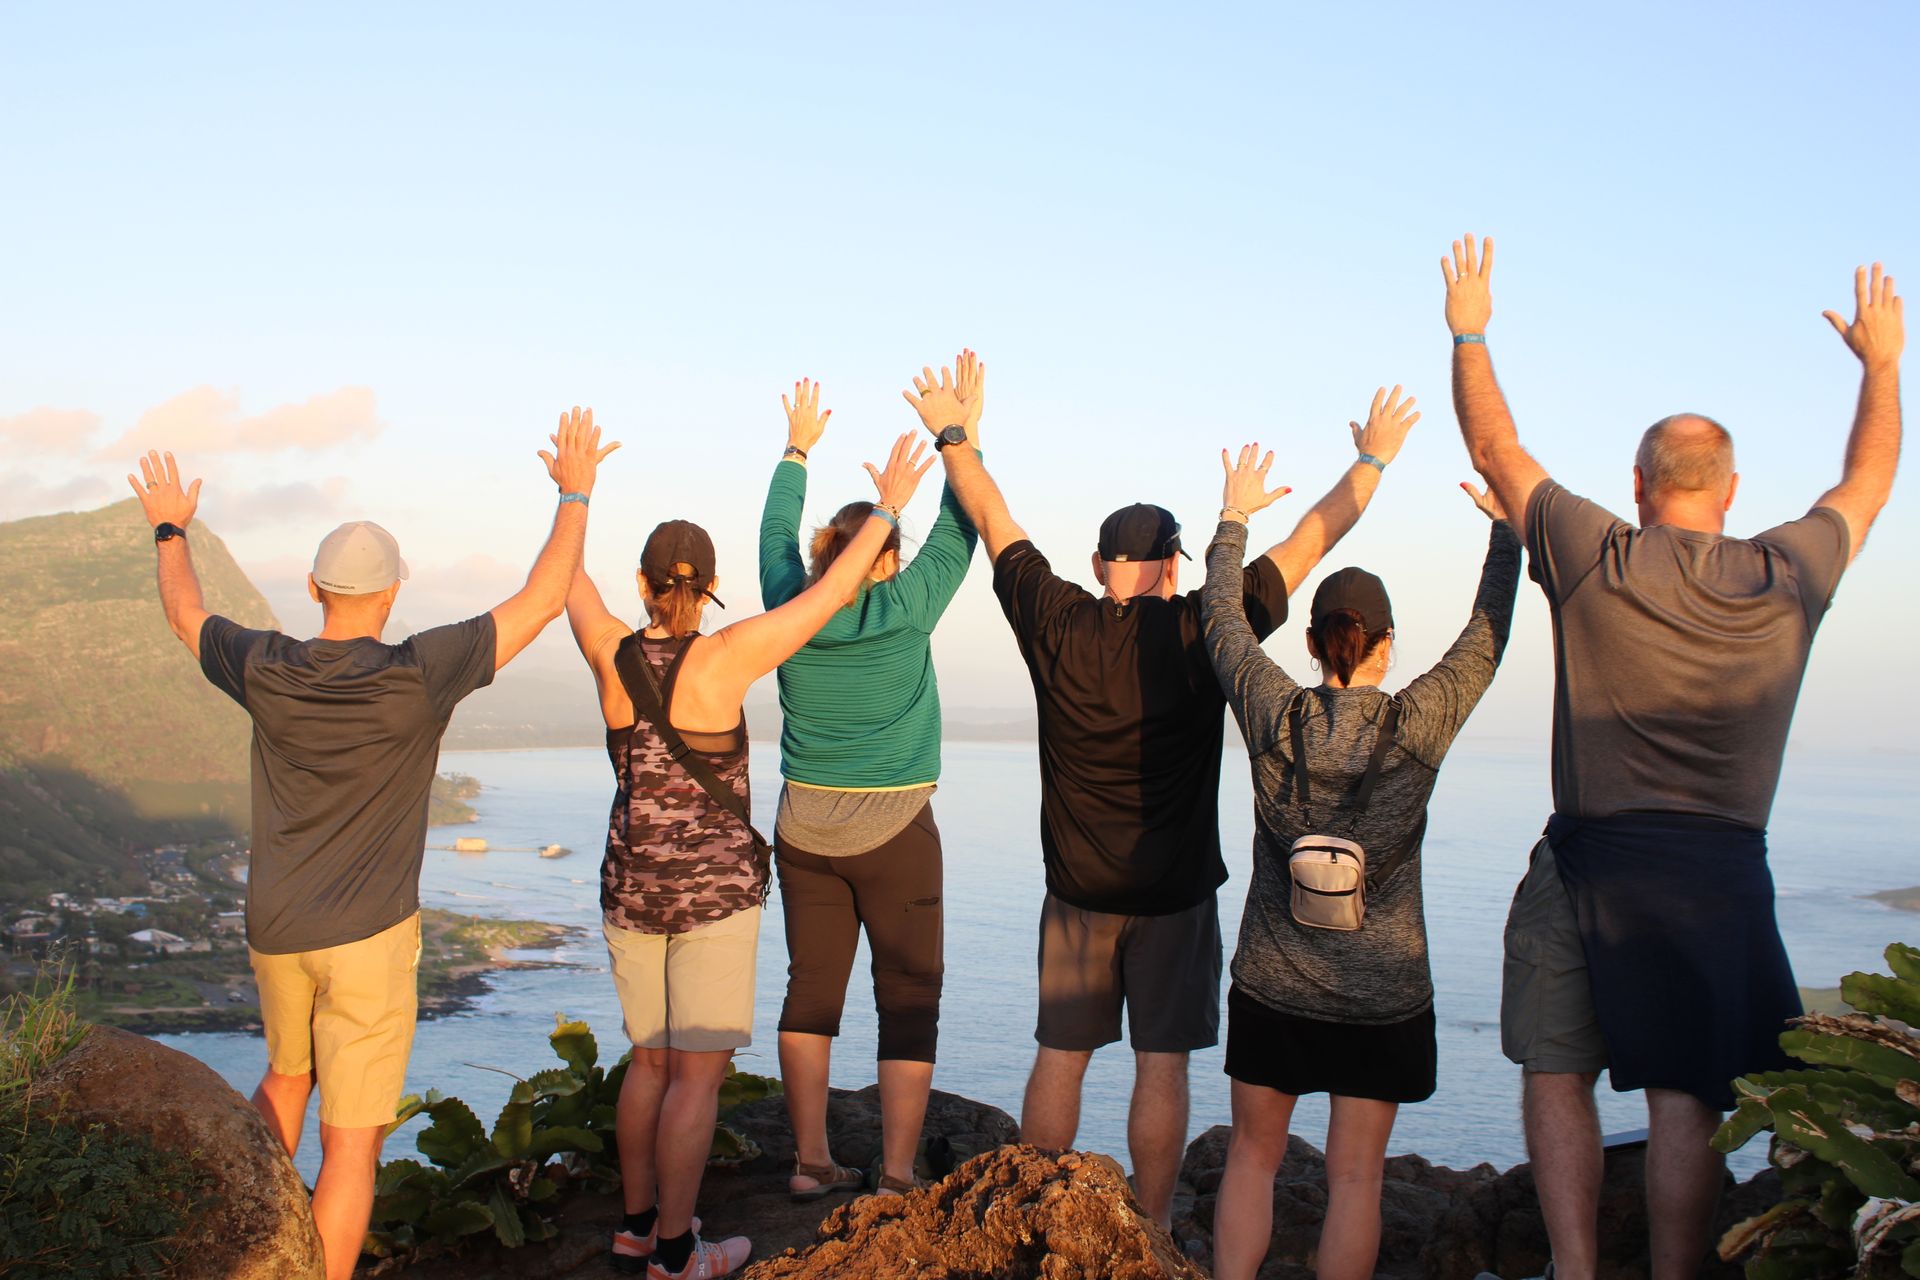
(886, 515)
(580, 498)
(1459, 338)
(1378, 464)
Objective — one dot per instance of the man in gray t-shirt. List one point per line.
(346, 735)
(1643, 937)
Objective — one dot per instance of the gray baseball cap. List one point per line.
(358, 559)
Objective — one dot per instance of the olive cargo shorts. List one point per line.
(1547, 1022)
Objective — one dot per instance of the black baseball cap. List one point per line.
(674, 543)
(1140, 532)
(1358, 590)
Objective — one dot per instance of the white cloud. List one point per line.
(49, 430)
(207, 420)
(23, 495)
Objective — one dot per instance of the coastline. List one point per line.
(1898, 899)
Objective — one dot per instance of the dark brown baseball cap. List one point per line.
(1358, 590)
(675, 543)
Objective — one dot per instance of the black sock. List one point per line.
(641, 1223)
(674, 1251)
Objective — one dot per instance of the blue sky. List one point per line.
(362, 255)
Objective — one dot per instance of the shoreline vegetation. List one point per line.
(459, 955)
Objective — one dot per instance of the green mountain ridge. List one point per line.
(109, 735)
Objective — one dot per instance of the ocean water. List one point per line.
(1839, 831)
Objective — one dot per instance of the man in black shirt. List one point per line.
(1130, 740)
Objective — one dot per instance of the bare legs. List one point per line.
(1356, 1151)
(1156, 1117)
(805, 1060)
(1684, 1176)
(664, 1123)
(343, 1193)
(1243, 1213)
(1563, 1142)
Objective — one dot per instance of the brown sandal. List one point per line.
(827, 1179)
(888, 1185)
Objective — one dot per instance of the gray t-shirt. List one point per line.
(1678, 655)
(346, 736)
(1378, 974)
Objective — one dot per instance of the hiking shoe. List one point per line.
(711, 1259)
(630, 1252)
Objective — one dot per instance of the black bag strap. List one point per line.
(649, 699)
(1382, 743)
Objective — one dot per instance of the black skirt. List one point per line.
(1394, 1062)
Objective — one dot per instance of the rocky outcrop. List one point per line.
(257, 1225)
(1015, 1213)
(1444, 1224)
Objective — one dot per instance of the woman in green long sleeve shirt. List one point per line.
(855, 838)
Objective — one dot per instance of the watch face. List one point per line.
(953, 435)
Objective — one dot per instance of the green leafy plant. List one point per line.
(76, 1200)
(556, 1129)
(1846, 1137)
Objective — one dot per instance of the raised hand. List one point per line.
(970, 384)
(805, 423)
(1388, 422)
(939, 402)
(160, 494)
(1246, 489)
(1486, 500)
(1879, 328)
(577, 453)
(1469, 303)
(902, 476)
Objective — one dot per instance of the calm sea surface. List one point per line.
(1840, 829)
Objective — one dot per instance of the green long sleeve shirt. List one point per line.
(861, 705)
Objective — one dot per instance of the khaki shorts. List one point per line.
(1164, 969)
(691, 991)
(345, 1014)
(1547, 1022)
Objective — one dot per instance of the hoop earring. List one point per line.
(1314, 663)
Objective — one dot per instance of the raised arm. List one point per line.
(1437, 703)
(1877, 336)
(956, 399)
(165, 502)
(783, 574)
(1333, 517)
(738, 655)
(1493, 443)
(1257, 689)
(573, 464)
(598, 633)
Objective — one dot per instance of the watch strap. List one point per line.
(166, 531)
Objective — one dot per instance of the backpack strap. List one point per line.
(1383, 741)
(1297, 728)
(649, 700)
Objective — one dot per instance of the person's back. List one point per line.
(1679, 655)
(345, 743)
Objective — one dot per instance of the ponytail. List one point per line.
(833, 537)
(1343, 643)
(676, 604)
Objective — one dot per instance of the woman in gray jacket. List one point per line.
(1329, 996)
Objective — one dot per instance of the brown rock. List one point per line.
(1449, 1224)
(257, 1225)
(1010, 1214)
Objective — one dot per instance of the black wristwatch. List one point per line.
(949, 435)
(167, 529)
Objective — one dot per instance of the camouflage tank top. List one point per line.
(675, 859)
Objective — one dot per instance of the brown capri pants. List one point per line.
(1165, 970)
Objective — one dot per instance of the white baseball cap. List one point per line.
(358, 559)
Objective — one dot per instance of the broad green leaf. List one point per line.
(454, 1135)
(1800, 1120)
(1888, 997)
(1748, 1119)
(460, 1218)
(483, 1163)
(1904, 961)
(558, 1082)
(506, 1217)
(548, 1143)
(575, 1044)
(1876, 1060)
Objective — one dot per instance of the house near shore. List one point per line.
(31, 935)
(159, 942)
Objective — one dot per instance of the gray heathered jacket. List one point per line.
(1378, 974)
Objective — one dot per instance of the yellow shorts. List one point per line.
(346, 1014)
(690, 991)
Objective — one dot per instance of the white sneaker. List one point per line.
(710, 1260)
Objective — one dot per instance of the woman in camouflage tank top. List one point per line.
(681, 884)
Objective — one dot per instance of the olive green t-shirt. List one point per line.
(1678, 655)
(346, 737)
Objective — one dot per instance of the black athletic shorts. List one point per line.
(1391, 1063)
